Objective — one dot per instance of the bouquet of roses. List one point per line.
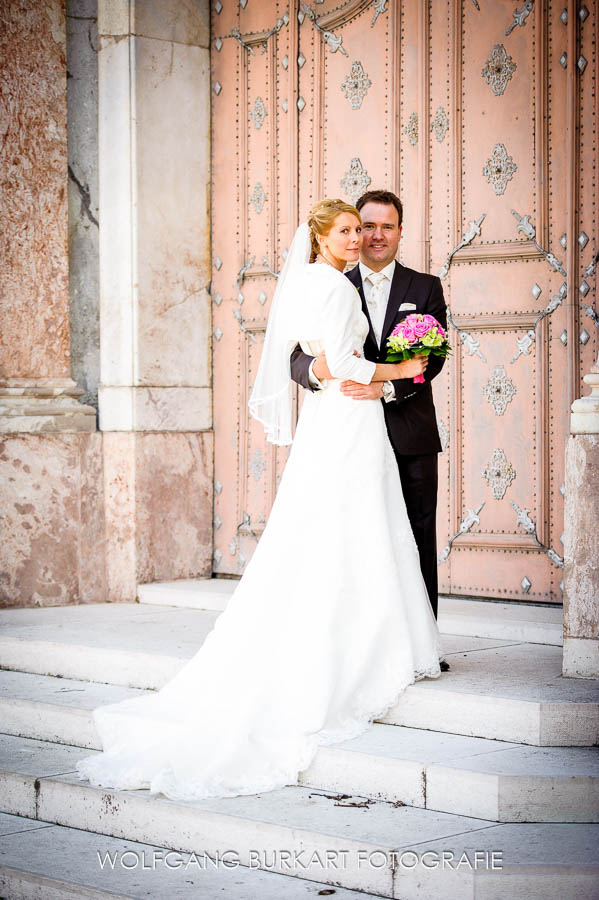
(417, 334)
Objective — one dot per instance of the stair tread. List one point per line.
(70, 856)
(389, 741)
(379, 824)
(493, 667)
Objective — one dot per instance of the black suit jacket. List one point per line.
(410, 418)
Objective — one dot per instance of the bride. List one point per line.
(331, 620)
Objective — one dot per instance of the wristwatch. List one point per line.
(388, 390)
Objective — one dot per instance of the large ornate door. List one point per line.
(482, 117)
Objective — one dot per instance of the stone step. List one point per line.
(486, 779)
(41, 861)
(495, 689)
(476, 618)
(348, 842)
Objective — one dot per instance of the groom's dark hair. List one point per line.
(386, 197)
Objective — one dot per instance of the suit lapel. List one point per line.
(355, 277)
(399, 288)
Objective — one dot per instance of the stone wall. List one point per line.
(91, 514)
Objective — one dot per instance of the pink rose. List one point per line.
(421, 328)
(409, 334)
(430, 320)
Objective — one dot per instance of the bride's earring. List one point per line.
(323, 253)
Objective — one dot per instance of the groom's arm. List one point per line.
(435, 306)
(300, 369)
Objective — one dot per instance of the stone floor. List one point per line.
(497, 755)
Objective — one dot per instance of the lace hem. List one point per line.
(113, 770)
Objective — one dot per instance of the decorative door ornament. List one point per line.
(474, 230)
(592, 314)
(258, 113)
(523, 519)
(529, 230)
(471, 344)
(443, 435)
(356, 84)
(499, 390)
(526, 584)
(498, 69)
(355, 181)
(499, 474)
(380, 7)
(333, 41)
(440, 124)
(257, 465)
(471, 519)
(499, 169)
(258, 197)
(411, 129)
(524, 344)
(520, 16)
(236, 33)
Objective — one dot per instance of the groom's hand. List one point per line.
(372, 391)
(320, 367)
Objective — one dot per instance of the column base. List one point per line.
(43, 405)
(580, 658)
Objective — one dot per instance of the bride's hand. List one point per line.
(410, 368)
(320, 367)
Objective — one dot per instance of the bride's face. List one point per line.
(343, 240)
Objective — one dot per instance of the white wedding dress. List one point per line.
(329, 623)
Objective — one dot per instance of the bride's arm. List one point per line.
(338, 340)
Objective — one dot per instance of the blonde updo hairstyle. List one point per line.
(321, 219)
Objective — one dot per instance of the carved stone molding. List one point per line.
(27, 405)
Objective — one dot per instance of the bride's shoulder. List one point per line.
(326, 276)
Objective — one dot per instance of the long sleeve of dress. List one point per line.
(341, 306)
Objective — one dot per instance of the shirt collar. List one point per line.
(388, 271)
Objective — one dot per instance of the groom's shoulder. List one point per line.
(423, 280)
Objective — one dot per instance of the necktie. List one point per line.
(376, 303)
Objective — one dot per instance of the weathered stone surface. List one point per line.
(52, 531)
(174, 506)
(172, 87)
(581, 555)
(181, 21)
(33, 191)
(158, 508)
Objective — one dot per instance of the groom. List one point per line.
(389, 292)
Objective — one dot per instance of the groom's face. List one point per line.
(380, 234)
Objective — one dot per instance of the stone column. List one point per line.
(37, 393)
(155, 398)
(581, 541)
(50, 452)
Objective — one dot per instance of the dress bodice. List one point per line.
(335, 318)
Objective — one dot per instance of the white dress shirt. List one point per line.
(377, 298)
